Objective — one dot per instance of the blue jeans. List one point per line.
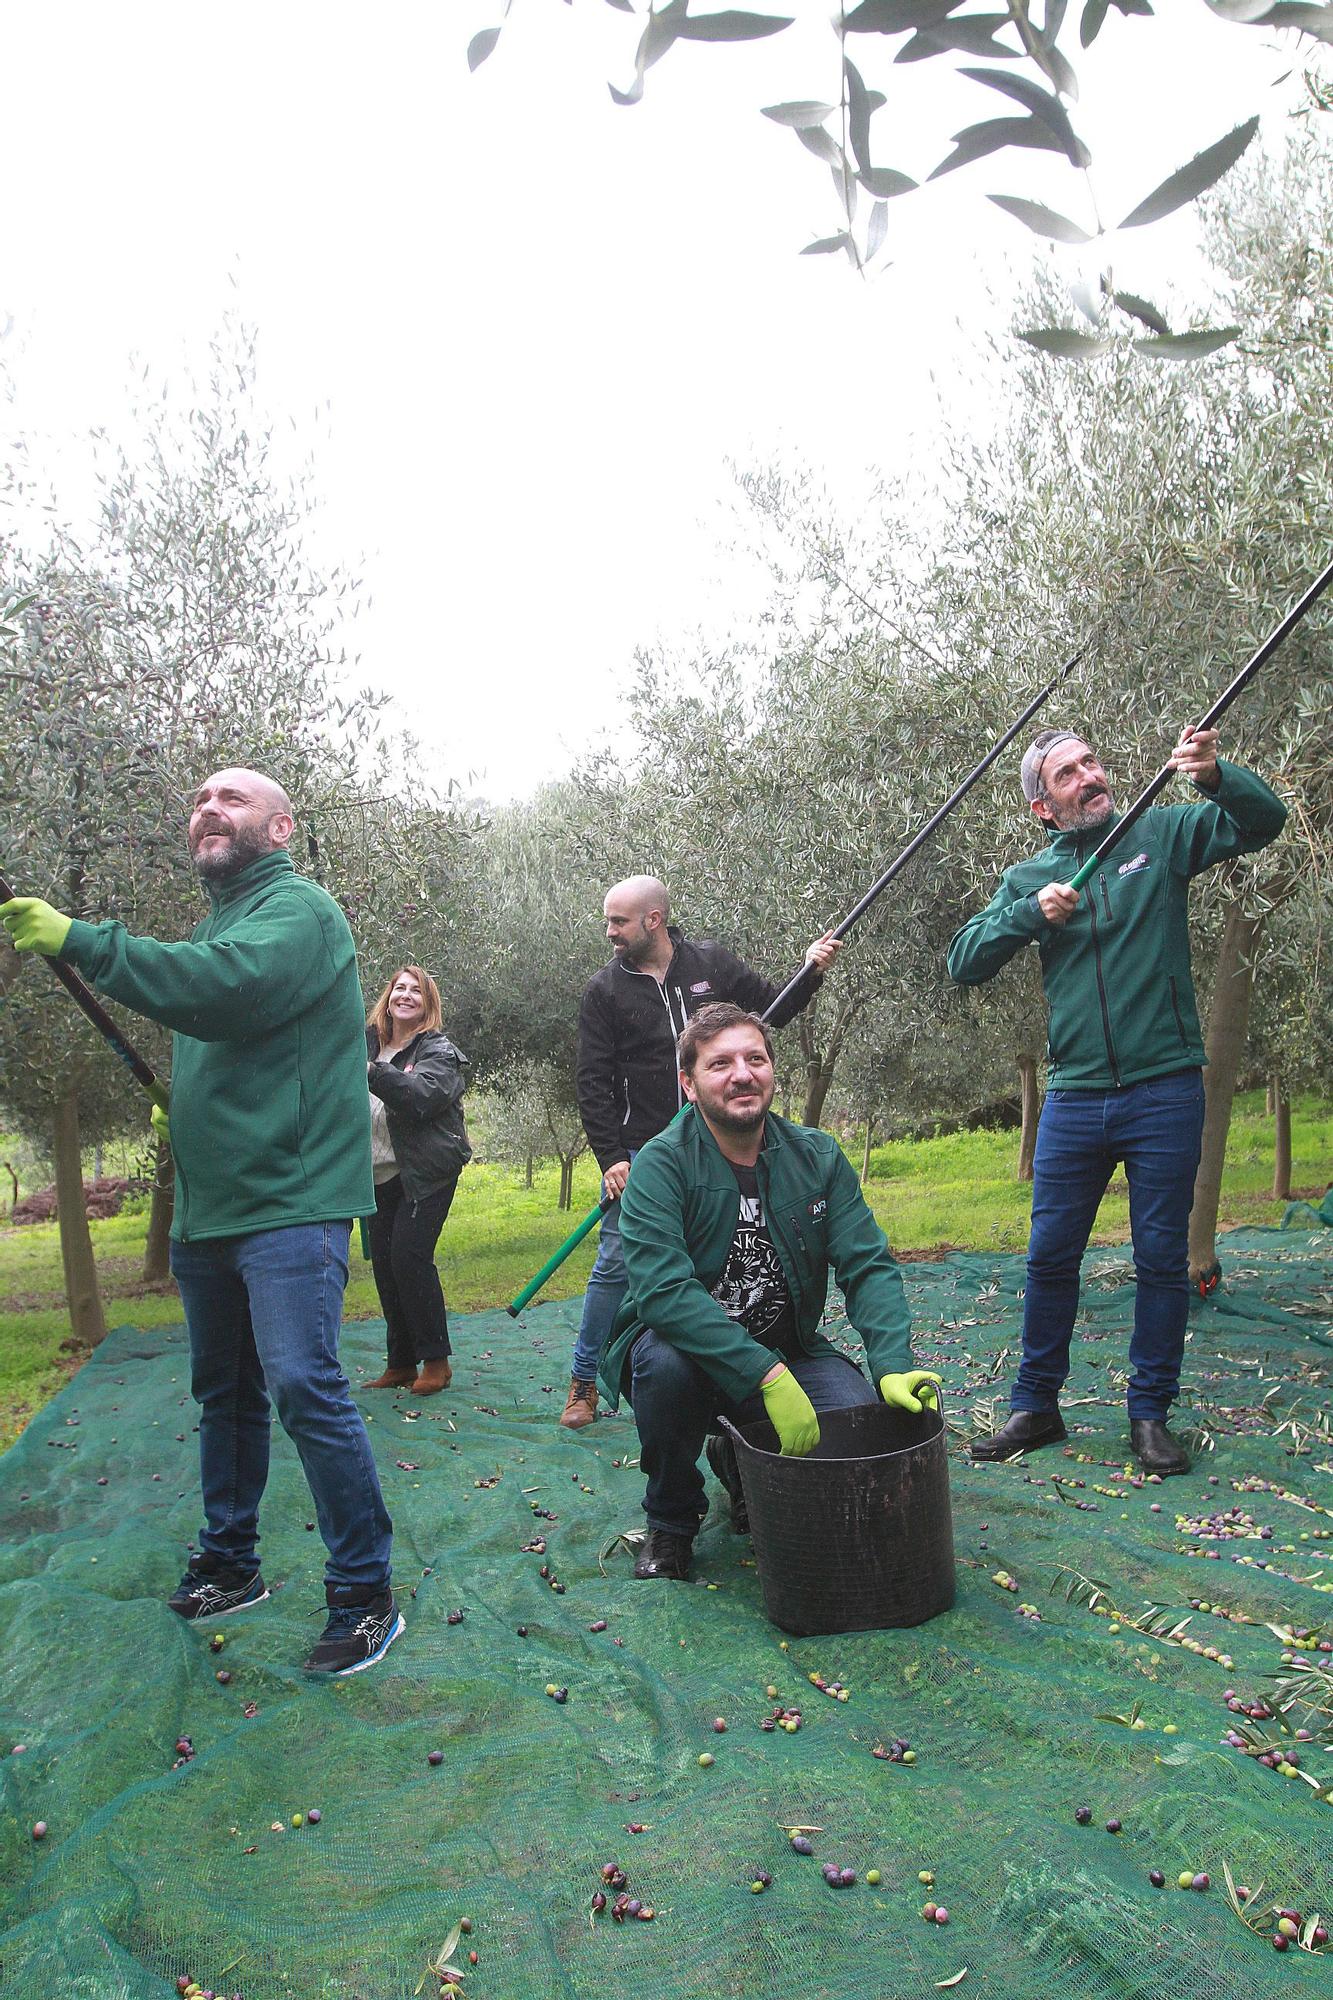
(676, 1404)
(607, 1285)
(1155, 1129)
(263, 1313)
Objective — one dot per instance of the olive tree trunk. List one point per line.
(1228, 1025)
(82, 1293)
(1281, 1107)
(1031, 1102)
(820, 1064)
(566, 1182)
(157, 1249)
(865, 1153)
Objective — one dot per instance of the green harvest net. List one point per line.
(148, 1872)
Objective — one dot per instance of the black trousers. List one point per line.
(403, 1235)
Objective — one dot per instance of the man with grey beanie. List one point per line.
(1125, 1061)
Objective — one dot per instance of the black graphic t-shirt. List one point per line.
(753, 1287)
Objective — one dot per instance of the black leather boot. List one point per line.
(1026, 1430)
(1155, 1448)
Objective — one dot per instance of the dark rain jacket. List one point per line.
(270, 1122)
(1119, 994)
(422, 1092)
(678, 1215)
(626, 1077)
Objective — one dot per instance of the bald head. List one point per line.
(636, 913)
(238, 816)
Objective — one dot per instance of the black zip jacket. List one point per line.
(422, 1092)
(627, 1082)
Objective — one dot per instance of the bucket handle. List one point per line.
(725, 1424)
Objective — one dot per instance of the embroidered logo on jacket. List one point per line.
(701, 986)
(1133, 867)
(817, 1208)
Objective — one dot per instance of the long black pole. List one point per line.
(918, 840)
(83, 998)
(1157, 785)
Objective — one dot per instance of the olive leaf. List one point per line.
(1188, 346)
(1191, 179)
(895, 17)
(481, 46)
(975, 141)
(1040, 220)
(731, 26)
(1138, 308)
(804, 111)
(1065, 342)
(1041, 103)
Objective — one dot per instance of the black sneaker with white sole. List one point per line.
(212, 1588)
(362, 1626)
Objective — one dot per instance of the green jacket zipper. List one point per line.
(1101, 987)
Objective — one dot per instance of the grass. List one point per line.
(956, 1192)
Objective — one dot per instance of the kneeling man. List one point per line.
(731, 1220)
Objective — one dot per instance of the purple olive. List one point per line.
(435, 1756)
(800, 1845)
(599, 1901)
(40, 1831)
(1156, 1877)
(454, 1618)
(522, 1631)
(1113, 1826)
(847, 1878)
(1083, 1814)
(1200, 1882)
(314, 1816)
(941, 1915)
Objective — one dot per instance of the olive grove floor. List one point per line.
(155, 1865)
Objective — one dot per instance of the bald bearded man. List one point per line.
(627, 1078)
(270, 1127)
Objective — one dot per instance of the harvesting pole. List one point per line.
(87, 1002)
(1157, 785)
(854, 915)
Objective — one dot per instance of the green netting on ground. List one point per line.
(148, 1872)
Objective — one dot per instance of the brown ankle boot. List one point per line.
(580, 1404)
(393, 1378)
(435, 1375)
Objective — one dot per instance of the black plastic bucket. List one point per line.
(858, 1536)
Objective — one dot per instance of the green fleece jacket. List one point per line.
(270, 1118)
(678, 1215)
(1117, 975)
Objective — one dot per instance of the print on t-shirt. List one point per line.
(753, 1286)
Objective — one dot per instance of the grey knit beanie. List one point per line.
(1036, 754)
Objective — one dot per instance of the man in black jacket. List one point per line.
(627, 1079)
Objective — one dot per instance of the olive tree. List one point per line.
(185, 629)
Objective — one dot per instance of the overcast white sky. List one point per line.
(542, 324)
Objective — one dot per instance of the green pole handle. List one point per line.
(553, 1262)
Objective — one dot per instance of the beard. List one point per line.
(1090, 812)
(243, 847)
(743, 1114)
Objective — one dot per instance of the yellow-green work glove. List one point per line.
(160, 1123)
(911, 1391)
(791, 1414)
(34, 925)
